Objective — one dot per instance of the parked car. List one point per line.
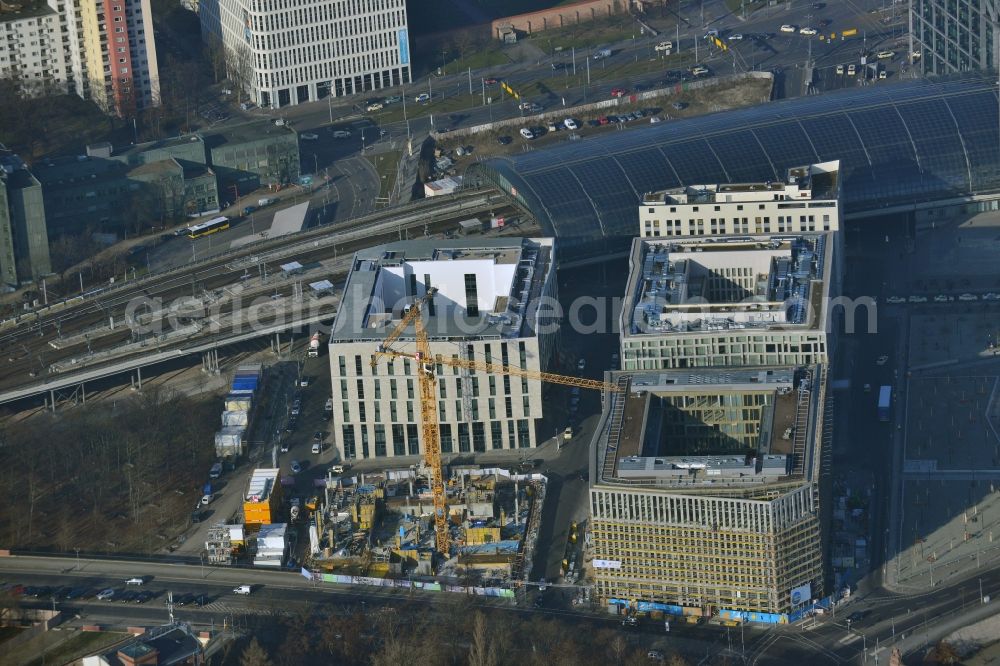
(527, 133)
(852, 69)
(968, 297)
(917, 299)
(618, 92)
(571, 124)
(308, 136)
(296, 467)
(136, 580)
(105, 594)
(882, 360)
(504, 140)
(242, 589)
(341, 134)
(840, 69)
(206, 499)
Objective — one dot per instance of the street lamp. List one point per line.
(78, 567)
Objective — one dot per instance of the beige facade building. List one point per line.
(692, 518)
(484, 308)
(732, 301)
(807, 201)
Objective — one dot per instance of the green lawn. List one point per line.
(585, 35)
(77, 647)
(386, 165)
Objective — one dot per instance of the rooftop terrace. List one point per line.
(724, 283)
(484, 287)
(640, 438)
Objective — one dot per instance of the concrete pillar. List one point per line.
(52, 399)
(138, 372)
(83, 393)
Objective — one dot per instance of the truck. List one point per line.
(266, 201)
(314, 345)
(884, 402)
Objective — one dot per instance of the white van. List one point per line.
(664, 46)
(135, 581)
(242, 589)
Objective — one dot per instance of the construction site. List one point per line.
(382, 525)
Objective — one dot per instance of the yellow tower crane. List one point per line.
(427, 381)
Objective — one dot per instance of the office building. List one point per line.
(116, 53)
(31, 48)
(954, 36)
(485, 308)
(731, 301)
(252, 155)
(171, 178)
(289, 54)
(24, 244)
(805, 201)
(705, 492)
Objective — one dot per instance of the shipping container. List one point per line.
(231, 419)
(239, 402)
(229, 442)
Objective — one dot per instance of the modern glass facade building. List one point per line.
(954, 35)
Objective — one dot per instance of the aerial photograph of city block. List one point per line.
(489, 332)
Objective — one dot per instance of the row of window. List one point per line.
(364, 441)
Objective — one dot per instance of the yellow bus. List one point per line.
(210, 227)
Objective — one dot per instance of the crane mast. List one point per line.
(427, 383)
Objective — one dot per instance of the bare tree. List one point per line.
(215, 54)
(240, 69)
(482, 651)
(254, 655)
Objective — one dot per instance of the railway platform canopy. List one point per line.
(900, 145)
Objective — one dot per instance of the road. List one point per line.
(788, 53)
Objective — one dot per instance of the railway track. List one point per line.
(29, 354)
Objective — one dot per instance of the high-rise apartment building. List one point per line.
(117, 54)
(289, 53)
(954, 35)
(31, 48)
(706, 492)
(24, 243)
(485, 308)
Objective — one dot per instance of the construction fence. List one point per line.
(406, 584)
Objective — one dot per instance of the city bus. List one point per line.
(210, 227)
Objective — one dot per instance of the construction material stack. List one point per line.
(238, 412)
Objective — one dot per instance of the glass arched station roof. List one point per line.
(902, 143)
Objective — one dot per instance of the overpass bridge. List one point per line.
(266, 289)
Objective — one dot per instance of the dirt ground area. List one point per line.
(696, 102)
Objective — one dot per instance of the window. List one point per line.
(379, 440)
(398, 440)
(479, 436)
(471, 298)
(463, 438)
